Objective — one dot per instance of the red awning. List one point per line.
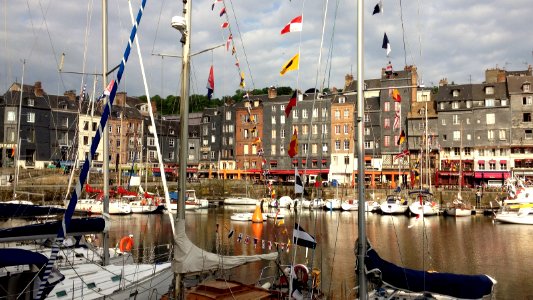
(273, 162)
(307, 172)
(324, 161)
(503, 161)
(253, 171)
(315, 160)
(192, 170)
(481, 162)
(493, 175)
(492, 161)
(468, 173)
(294, 161)
(167, 170)
(444, 173)
(304, 161)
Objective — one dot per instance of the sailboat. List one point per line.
(392, 281)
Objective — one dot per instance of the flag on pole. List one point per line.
(396, 95)
(401, 139)
(378, 8)
(292, 64)
(293, 146)
(291, 104)
(228, 42)
(210, 84)
(401, 154)
(293, 26)
(386, 44)
(109, 87)
(298, 185)
(224, 25)
(222, 11)
(302, 238)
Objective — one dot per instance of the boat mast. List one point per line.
(17, 150)
(185, 29)
(105, 144)
(361, 247)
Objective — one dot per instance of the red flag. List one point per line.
(293, 26)
(224, 25)
(402, 154)
(293, 146)
(396, 95)
(210, 84)
(228, 42)
(109, 87)
(291, 104)
(222, 11)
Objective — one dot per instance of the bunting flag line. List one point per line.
(396, 95)
(230, 234)
(401, 139)
(302, 238)
(291, 65)
(224, 25)
(239, 238)
(83, 91)
(378, 8)
(242, 84)
(247, 240)
(386, 44)
(401, 154)
(293, 146)
(294, 25)
(213, 4)
(222, 11)
(263, 244)
(210, 84)
(298, 185)
(291, 104)
(257, 140)
(228, 42)
(260, 152)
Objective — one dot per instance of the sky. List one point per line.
(453, 39)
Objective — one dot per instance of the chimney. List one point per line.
(272, 92)
(334, 90)
(154, 106)
(348, 79)
(120, 98)
(443, 82)
(38, 89)
(70, 94)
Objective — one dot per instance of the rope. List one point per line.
(85, 169)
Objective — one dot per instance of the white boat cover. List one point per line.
(189, 258)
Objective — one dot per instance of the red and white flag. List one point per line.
(224, 25)
(293, 26)
(109, 87)
(396, 120)
(228, 42)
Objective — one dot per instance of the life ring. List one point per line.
(126, 243)
(301, 272)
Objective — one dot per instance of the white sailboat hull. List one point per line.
(522, 216)
(97, 207)
(425, 209)
(240, 201)
(332, 204)
(458, 212)
(393, 208)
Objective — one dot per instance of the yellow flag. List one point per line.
(292, 64)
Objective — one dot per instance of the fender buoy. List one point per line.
(126, 243)
(302, 273)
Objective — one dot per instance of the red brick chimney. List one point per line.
(38, 89)
(272, 92)
(70, 94)
(120, 99)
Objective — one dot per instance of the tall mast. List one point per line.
(18, 142)
(105, 144)
(361, 247)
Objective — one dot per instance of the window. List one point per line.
(489, 90)
(443, 121)
(337, 145)
(273, 134)
(314, 148)
(455, 119)
(245, 149)
(337, 114)
(490, 134)
(442, 106)
(368, 145)
(503, 102)
(282, 149)
(315, 112)
(526, 117)
(492, 166)
(282, 119)
(273, 149)
(254, 149)
(367, 131)
(325, 113)
(346, 113)
(228, 116)
(455, 93)
(282, 107)
(213, 138)
(397, 106)
(171, 142)
(295, 114)
(469, 137)
(527, 100)
(305, 148)
(85, 140)
(325, 148)
(444, 137)
(230, 128)
(501, 134)
(528, 134)
(230, 140)
(346, 144)
(31, 102)
(386, 123)
(489, 102)
(367, 118)
(191, 146)
(456, 135)
(481, 166)
(305, 115)
(467, 121)
(118, 129)
(346, 160)
(456, 151)
(386, 107)
(273, 108)
(468, 103)
(30, 117)
(467, 150)
(11, 116)
(455, 105)
(205, 142)
(490, 119)
(386, 141)
(324, 129)
(503, 165)
(273, 121)
(526, 87)
(337, 129)
(346, 129)
(342, 99)
(245, 133)
(315, 129)
(282, 133)
(118, 143)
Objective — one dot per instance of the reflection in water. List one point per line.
(467, 245)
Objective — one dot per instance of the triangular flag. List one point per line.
(293, 26)
(292, 64)
(302, 238)
(228, 42)
(222, 11)
(378, 8)
(396, 95)
(298, 185)
(109, 87)
(213, 4)
(239, 238)
(401, 139)
(293, 146)
(210, 84)
(242, 84)
(386, 44)
(291, 104)
(224, 25)
(230, 234)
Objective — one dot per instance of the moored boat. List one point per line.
(394, 205)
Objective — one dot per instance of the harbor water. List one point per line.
(467, 245)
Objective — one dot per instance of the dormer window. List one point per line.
(526, 87)
(31, 102)
(489, 90)
(342, 99)
(256, 103)
(455, 93)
